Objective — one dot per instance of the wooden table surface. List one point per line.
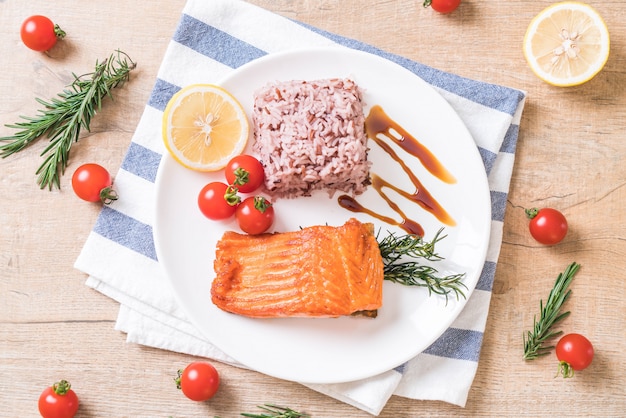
(571, 156)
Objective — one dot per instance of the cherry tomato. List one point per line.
(217, 201)
(199, 381)
(58, 401)
(245, 172)
(92, 182)
(255, 215)
(548, 226)
(574, 352)
(442, 6)
(40, 33)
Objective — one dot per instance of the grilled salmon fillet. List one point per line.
(319, 271)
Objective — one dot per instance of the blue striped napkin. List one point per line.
(211, 40)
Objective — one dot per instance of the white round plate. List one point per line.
(328, 350)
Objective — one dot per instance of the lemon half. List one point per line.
(567, 44)
(204, 126)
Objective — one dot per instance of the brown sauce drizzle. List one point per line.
(379, 123)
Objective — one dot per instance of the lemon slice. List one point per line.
(204, 126)
(567, 44)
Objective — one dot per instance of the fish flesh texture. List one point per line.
(318, 271)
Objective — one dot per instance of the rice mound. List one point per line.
(310, 135)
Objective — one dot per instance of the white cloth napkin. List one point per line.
(213, 38)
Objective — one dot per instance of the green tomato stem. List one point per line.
(531, 213)
(231, 196)
(61, 387)
(242, 177)
(261, 204)
(60, 33)
(108, 195)
(178, 378)
(565, 370)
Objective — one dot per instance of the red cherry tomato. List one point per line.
(442, 6)
(574, 352)
(548, 226)
(40, 33)
(255, 215)
(245, 172)
(199, 381)
(217, 201)
(58, 401)
(92, 182)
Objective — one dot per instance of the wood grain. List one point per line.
(570, 156)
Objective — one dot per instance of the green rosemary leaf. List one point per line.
(63, 117)
(535, 341)
(400, 255)
(276, 411)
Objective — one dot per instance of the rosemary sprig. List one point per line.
(62, 118)
(276, 411)
(550, 314)
(396, 249)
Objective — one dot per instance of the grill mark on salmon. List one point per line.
(319, 271)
